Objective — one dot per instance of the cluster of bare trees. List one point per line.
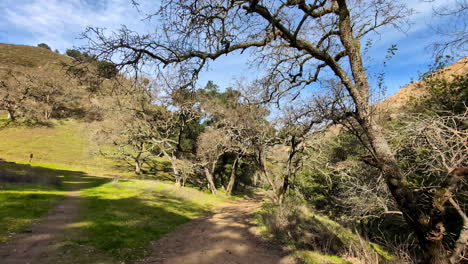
(199, 133)
(295, 43)
(39, 94)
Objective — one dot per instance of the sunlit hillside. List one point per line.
(65, 143)
(17, 56)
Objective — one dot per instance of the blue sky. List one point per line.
(59, 23)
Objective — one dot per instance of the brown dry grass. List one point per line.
(28, 56)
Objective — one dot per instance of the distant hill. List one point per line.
(64, 142)
(15, 56)
(394, 105)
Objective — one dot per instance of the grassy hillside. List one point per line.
(15, 56)
(64, 143)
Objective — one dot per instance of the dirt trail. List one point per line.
(43, 238)
(226, 237)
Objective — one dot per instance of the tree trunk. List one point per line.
(288, 174)
(138, 163)
(462, 240)
(272, 185)
(425, 220)
(11, 115)
(176, 172)
(209, 177)
(232, 179)
(263, 169)
(424, 217)
(47, 114)
(137, 167)
(284, 188)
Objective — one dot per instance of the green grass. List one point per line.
(120, 218)
(314, 257)
(21, 205)
(28, 194)
(381, 251)
(65, 144)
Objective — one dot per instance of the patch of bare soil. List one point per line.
(228, 236)
(43, 239)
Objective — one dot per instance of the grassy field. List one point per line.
(20, 205)
(64, 144)
(119, 217)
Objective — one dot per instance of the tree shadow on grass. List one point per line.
(7, 123)
(116, 226)
(12, 173)
(106, 229)
(29, 192)
(123, 228)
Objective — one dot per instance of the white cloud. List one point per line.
(420, 21)
(59, 23)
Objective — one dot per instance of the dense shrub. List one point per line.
(43, 45)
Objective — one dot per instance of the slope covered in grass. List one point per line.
(66, 144)
(13, 56)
